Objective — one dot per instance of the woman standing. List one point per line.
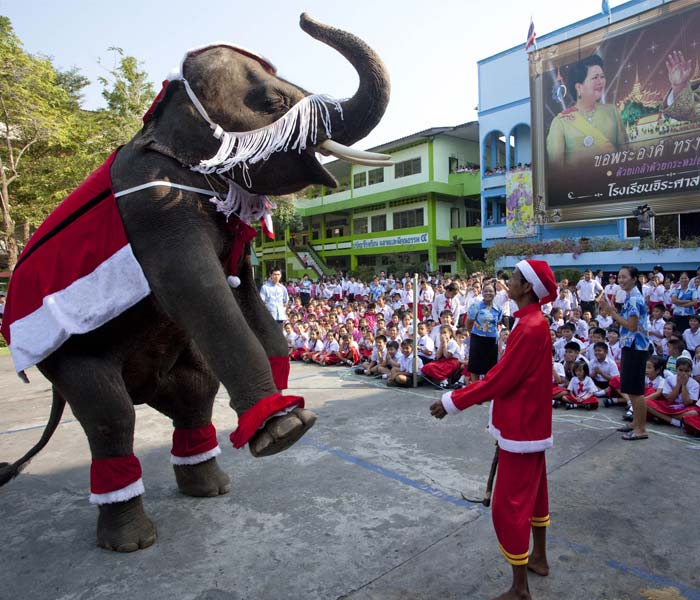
(683, 299)
(482, 323)
(634, 341)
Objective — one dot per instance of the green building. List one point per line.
(424, 210)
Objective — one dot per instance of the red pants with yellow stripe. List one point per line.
(520, 501)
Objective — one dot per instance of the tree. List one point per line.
(50, 143)
(33, 110)
(286, 215)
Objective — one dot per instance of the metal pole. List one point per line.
(415, 330)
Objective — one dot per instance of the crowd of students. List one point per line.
(463, 326)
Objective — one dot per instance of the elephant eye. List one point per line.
(276, 103)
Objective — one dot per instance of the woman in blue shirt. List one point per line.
(482, 322)
(634, 341)
(684, 299)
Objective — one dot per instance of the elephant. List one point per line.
(183, 313)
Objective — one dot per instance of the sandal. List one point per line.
(633, 437)
(625, 429)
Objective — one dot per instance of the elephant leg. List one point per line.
(186, 395)
(96, 393)
(281, 431)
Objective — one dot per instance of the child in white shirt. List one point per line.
(581, 389)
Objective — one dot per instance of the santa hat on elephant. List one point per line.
(539, 274)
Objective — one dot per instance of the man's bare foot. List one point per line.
(538, 565)
(513, 595)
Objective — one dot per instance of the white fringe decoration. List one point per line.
(122, 495)
(196, 459)
(247, 207)
(246, 148)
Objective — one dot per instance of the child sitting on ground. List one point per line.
(653, 385)
(348, 352)
(378, 356)
(679, 397)
(445, 364)
(402, 374)
(581, 389)
(390, 362)
(314, 347)
(426, 346)
(330, 355)
(603, 369)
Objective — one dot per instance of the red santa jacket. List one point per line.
(520, 385)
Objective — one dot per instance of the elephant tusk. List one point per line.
(340, 150)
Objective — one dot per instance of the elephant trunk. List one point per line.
(364, 110)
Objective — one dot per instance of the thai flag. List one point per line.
(531, 35)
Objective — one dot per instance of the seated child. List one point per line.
(445, 364)
(426, 346)
(330, 355)
(402, 374)
(370, 366)
(679, 397)
(653, 385)
(559, 382)
(314, 347)
(348, 351)
(290, 335)
(581, 388)
(390, 362)
(603, 369)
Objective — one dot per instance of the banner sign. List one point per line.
(620, 110)
(387, 242)
(520, 214)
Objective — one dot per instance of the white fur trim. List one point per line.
(448, 404)
(520, 447)
(529, 273)
(233, 281)
(86, 304)
(196, 459)
(122, 495)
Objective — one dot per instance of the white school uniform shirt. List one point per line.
(559, 347)
(563, 303)
(427, 295)
(452, 347)
(696, 368)
(425, 342)
(656, 383)
(558, 368)
(291, 339)
(604, 322)
(670, 383)
(621, 296)
(406, 363)
(435, 334)
(692, 340)
(405, 332)
(608, 367)
(611, 291)
(615, 351)
(330, 347)
(588, 290)
(578, 387)
(657, 293)
(655, 330)
(316, 347)
(377, 356)
(462, 352)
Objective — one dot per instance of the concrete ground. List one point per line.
(366, 506)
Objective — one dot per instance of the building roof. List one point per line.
(466, 131)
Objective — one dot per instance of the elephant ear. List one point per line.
(151, 112)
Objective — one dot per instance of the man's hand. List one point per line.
(679, 71)
(438, 410)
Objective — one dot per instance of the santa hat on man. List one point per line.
(539, 274)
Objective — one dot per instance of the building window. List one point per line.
(360, 225)
(454, 218)
(407, 167)
(408, 218)
(359, 179)
(379, 223)
(376, 176)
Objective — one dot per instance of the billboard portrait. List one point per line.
(620, 111)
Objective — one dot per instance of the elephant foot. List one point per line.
(124, 526)
(204, 479)
(279, 433)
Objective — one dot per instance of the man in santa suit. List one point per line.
(521, 421)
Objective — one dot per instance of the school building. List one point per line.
(423, 211)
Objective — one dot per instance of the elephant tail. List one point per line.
(10, 471)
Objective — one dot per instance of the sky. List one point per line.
(430, 47)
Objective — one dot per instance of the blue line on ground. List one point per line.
(689, 592)
(435, 492)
